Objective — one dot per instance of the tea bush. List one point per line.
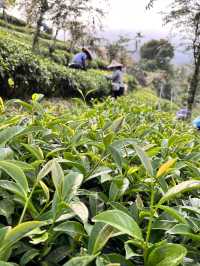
(30, 73)
(116, 183)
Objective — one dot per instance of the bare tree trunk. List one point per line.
(43, 9)
(52, 47)
(193, 87)
(37, 32)
(5, 15)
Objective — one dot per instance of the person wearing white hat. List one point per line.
(117, 79)
(79, 60)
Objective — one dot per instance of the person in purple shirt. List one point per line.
(79, 60)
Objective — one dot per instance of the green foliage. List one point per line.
(13, 20)
(116, 183)
(31, 74)
(159, 52)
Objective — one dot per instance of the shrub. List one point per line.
(30, 73)
(13, 20)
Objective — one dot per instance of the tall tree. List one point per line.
(5, 4)
(185, 16)
(42, 9)
(59, 13)
(119, 50)
(159, 52)
(35, 11)
(79, 17)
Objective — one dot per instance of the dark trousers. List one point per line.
(75, 66)
(118, 93)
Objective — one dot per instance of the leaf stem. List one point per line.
(149, 227)
(26, 204)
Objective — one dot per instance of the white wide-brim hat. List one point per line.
(114, 64)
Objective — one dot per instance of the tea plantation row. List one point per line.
(112, 184)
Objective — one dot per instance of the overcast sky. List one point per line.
(132, 15)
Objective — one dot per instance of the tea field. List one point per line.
(115, 183)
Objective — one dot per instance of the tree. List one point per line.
(118, 50)
(35, 11)
(185, 16)
(5, 4)
(80, 18)
(59, 13)
(160, 52)
(42, 9)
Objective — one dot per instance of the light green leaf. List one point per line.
(144, 159)
(45, 170)
(108, 138)
(57, 176)
(45, 189)
(13, 187)
(6, 153)
(184, 230)
(117, 124)
(80, 210)
(116, 157)
(129, 252)
(37, 97)
(28, 256)
(7, 134)
(23, 165)
(78, 165)
(117, 188)
(72, 182)
(16, 174)
(6, 208)
(35, 151)
(35, 240)
(3, 263)
(99, 236)
(121, 221)
(24, 104)
(80, 261)
(17, 233)
(180, 188)
(3, 232)
(167, 255)
(173, 213)
(71, 228)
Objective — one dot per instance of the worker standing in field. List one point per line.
(117, 79)
(79, 60)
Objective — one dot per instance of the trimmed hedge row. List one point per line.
(23, 73)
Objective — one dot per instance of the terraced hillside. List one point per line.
(23, 72)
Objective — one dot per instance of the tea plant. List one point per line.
(112, 184)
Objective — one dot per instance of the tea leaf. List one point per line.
(7, 134)
(35, 151)
(80, 261)
(28, 256)
(144, 159)
(70, 227)
(99, 236)
(15, 173)
(180, 188)
(167, 255)
(121, 221)
(165, 167)
(17, 233)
